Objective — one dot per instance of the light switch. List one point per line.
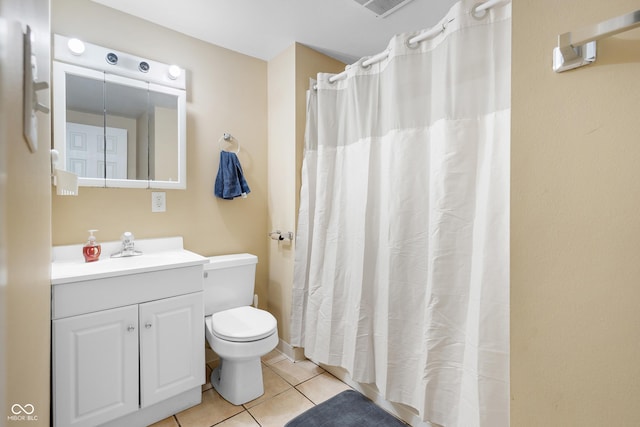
(31, 86)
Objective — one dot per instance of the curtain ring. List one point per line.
(362, 61)
(410, 45)
(474, 11)
(426, 35)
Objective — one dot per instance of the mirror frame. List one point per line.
(76, 66)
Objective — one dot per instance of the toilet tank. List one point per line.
(229, 282)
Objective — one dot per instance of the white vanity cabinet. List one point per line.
(95, 367)
(170, 340)
(128, 347)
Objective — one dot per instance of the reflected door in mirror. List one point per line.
(91, 154)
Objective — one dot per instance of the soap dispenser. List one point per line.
(91, 250)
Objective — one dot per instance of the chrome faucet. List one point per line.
(128, 246)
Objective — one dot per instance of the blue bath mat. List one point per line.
(347, 409)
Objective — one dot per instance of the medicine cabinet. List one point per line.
(118, 122)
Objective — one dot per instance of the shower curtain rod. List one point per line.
(412, 42)
(482, 6)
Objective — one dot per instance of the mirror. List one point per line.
(115, 131)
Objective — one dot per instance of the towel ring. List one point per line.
(228, 137)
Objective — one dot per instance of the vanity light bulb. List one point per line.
(174, 72)
(76, 46)
(112, 58)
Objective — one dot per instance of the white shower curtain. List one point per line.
(402, 251)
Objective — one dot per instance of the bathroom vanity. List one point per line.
(127, 334)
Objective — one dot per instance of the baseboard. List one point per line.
(404, 412)
(294, 353)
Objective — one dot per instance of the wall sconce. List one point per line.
(174, 72)
(76, 46)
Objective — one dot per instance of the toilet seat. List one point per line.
(242, 324)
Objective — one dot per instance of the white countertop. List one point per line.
(68, 264)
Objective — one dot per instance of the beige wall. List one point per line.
(288, 81)
(575, 225)
(281, 182)
(25, 228)
(226, 92)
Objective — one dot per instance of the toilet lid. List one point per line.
(243, 324)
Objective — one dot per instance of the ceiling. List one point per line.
(342, 29)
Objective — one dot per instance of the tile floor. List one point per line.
(290, 389)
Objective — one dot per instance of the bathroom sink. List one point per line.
(157, 254)
(164, 269)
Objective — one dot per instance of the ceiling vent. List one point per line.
(383, 8)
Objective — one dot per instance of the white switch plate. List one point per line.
(158, 201)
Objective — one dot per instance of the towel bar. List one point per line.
(578, 48)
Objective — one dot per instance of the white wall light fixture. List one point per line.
(77, 52)
(174, 72)
(76, 46)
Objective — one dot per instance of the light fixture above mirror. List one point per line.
(77, 52)
(76, 46)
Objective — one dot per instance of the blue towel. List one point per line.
(230, 182)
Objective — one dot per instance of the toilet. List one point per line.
(236, 331)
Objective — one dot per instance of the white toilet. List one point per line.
(236, 331)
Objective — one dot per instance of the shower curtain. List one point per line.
(401, 269)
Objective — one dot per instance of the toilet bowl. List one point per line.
(240, 336)
(236, 331)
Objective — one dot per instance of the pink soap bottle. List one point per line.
(91, 250)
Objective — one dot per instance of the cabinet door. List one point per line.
(171, 347)
(95, 367)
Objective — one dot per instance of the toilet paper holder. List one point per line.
(279, 235)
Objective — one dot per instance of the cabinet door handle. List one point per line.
(147, 325)
(131, 328)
